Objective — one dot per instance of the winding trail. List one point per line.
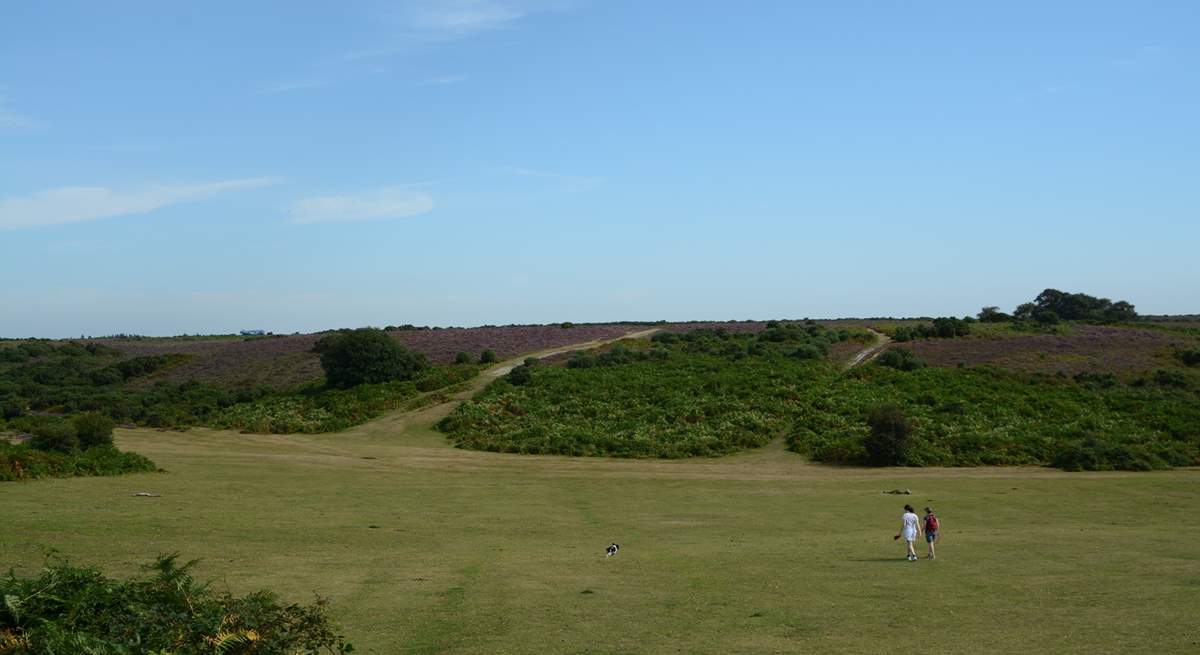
(870, 352)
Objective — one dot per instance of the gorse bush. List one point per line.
(68, 610)
(462, 358)
(488, 356)
(366, 355)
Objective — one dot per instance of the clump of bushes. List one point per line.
(1097, 454)
(488, 356)
(366, 355)
(901, 359)
(1189, 357)
(69, 609)
(56, 437)
(462, 358)
(946, 327)
(24, 462)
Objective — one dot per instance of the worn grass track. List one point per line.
(423, 548)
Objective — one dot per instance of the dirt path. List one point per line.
(872, 351)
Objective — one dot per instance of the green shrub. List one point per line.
(56, 437)
(23, 462)
(566, 325)
(888, 442)
(519, 376)
(1094, 454)
(1168, 378)
(12, 407)
(901, 359)
(1189, 357)
(488, 356)
(68, 609)
(93, 429)
(366, 355)
(532, 361)
(462, 358)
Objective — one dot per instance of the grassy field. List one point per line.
(423, 548)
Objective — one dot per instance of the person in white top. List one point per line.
(910, 529)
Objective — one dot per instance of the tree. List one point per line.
(366, 355)
(890, 437)
(488, 356)
(992, 315)
(1075, 307)
(462, 358)
(57, 437)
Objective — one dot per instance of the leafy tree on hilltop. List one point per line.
(366, 355)
(1052, 304)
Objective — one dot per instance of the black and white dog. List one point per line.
(611, 550)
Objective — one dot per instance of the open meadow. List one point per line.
(424, 548)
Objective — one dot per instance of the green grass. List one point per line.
(760, 552)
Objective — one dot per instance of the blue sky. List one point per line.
(173, 168)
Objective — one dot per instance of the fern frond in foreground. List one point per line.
(69, 609)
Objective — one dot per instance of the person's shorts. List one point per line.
(930, 537)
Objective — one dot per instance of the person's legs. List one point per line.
(930, 540)
(912, 553)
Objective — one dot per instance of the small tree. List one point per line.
(93, 429)
(488, 356)
(366, 355)
(993, 315)
(55, 437)
(889, 440)
(462, 358)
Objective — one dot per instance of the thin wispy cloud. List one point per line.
(572, 183)
(380, 204)
(451, 18)
(86, 203)
(434, 21)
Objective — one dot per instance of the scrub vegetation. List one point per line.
(712, 392)
(72, 609)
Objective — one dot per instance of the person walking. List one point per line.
(910, 527)
(931, 530)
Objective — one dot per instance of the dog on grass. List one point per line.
(611, 550)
